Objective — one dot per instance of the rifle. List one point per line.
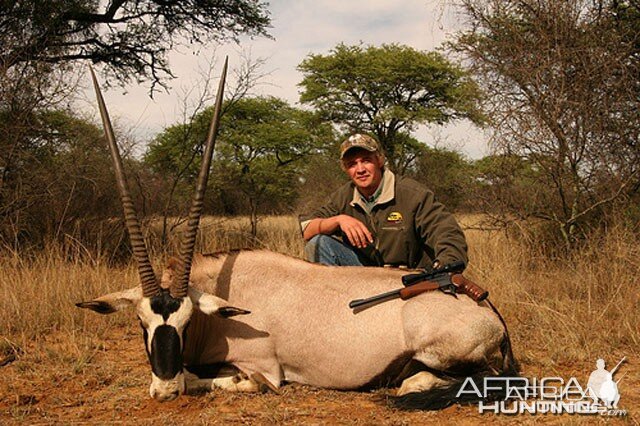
(617, 366)
(448, 279)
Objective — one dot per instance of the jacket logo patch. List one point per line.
(395, 217)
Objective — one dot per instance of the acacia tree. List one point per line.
(562, 80)
(387, 91)
(131, 38)
(177, 150)
(262, 145)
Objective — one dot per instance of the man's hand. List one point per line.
(356, 231)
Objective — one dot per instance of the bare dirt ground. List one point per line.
(107, 382)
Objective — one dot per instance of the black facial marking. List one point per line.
(145, 336)
(163, 304)
(166, 354)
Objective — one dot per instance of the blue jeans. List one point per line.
(329, 251)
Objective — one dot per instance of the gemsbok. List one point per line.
(291, 321)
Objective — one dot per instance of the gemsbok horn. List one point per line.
(148, 279)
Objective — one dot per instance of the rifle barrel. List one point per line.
(377, 298)
(618, 365)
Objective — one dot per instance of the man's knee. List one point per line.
(329, 251)
(314, 245)
(322, 241)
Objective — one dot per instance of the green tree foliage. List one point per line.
(320, 177)
(387, 91)
(262, 148)
(508, 183)
(265, 144)
(61, 180)
(130, 37)
(449, 175)
(563, 84)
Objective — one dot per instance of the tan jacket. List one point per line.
(409, 227)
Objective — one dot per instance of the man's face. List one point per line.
(365, 170)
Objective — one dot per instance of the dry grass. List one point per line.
(37, 294)
(568, 310)
(277, 233)
(562, 314)
(584, 305)
(587, 303)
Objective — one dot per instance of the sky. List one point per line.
(300, 28)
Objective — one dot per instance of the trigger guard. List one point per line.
(450, 290)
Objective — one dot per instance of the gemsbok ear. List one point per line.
(113, 302)
(210, 304)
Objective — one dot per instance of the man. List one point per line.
(382, 219)
(601, 385)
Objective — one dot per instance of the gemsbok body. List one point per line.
(278, 319)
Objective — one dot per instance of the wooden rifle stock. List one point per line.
(469, 288)
(416, 289)
(463, 285)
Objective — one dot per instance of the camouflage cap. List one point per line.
(358, 141)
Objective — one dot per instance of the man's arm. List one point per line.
(439, 229)
(329, 219)
(356, 231)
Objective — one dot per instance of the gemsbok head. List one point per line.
(163, 308)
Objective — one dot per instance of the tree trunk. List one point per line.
(254, 220)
